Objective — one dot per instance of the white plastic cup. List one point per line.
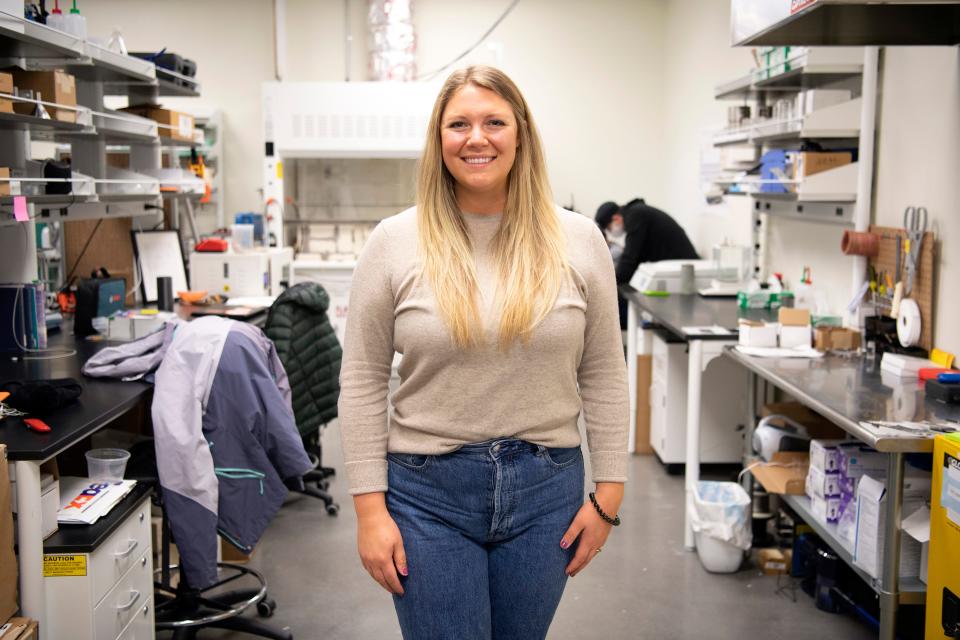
(107, 464)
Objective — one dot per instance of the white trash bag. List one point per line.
(720, 517)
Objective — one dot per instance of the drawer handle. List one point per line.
(133, 544)
(134, 596)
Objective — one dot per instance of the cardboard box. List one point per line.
(825, 454)
(53, 86)
(757, 334)
(785, 474)
(836, 339)
(6, 86)
(871, 519)
(173, 124)
(20, 629)
(230, 553)
(644, 378)
(917, 526)
(817, 426)
(8, 561)
(825, 509)
(821, 484)
(6, 188)
(808, 163)
(774, 561)
(794, 317)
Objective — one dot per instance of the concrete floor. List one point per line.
(644, 585)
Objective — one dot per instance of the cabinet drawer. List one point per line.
(126, 600)
(141, 627)
(120, 551)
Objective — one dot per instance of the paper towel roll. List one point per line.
(908, 323)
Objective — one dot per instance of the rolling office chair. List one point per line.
(185, 610)
(310, 352)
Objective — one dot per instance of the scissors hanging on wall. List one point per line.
(915, 223)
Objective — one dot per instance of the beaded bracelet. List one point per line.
(615, 521)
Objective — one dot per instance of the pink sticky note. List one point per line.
(20, 209)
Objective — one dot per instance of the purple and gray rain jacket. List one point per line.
(225, 438)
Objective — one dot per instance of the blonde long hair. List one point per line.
(529, 248)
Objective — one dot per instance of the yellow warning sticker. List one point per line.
(58, 566)
(279, 170)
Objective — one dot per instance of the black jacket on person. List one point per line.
(652, 235)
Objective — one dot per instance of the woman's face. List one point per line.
(478, 137)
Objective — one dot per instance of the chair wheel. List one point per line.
(266, 607)
(333, 509)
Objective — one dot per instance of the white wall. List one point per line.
(591, 72)
(918, 159)
(697, 57)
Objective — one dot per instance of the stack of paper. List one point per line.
(904, 366)
(84, 501)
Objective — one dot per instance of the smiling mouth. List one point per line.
(479, 161)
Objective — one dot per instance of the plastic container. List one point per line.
(241, 236)
(107, 464)
(720, 517)
(718, 556)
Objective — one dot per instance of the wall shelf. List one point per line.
(839, 122)
(21, 38)
(811, 69)
(19, 122)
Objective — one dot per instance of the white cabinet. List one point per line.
(721, 411)
(107, 594)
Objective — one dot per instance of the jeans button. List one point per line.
(496, 448)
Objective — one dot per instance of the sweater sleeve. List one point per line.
(602, 374)
(365, 372)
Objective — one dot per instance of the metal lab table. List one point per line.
(848, 391)
(101, 402)
(678, 313)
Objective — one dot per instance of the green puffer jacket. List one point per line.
(310, 353)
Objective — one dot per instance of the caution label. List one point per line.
(58, 566)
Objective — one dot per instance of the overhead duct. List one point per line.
(393, 43)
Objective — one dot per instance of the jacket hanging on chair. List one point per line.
(226, 444)
(310, 352)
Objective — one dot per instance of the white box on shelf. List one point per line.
(825, 509)
(871, 520)
(49, 500)
(917, 526)
(753, 334)
(825, 455)
(795, 336)
(822, 484)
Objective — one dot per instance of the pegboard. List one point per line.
(923, 283)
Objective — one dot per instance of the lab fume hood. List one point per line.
(845, 22)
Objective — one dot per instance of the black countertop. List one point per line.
(677, 311)
(102, 400)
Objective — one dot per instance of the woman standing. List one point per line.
(470, 506)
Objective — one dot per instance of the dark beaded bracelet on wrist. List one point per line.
(615, 521)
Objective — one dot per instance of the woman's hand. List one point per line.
(590, 527)
(379, 542)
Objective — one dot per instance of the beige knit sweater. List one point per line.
(448, 396)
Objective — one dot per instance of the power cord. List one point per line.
(431, 75)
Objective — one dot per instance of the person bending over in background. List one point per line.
(504, 308)
(646, 234)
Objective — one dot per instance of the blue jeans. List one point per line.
(481, 528)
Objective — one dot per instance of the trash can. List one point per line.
(720, 516)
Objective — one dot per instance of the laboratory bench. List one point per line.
(848, 390)
(101, 402)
